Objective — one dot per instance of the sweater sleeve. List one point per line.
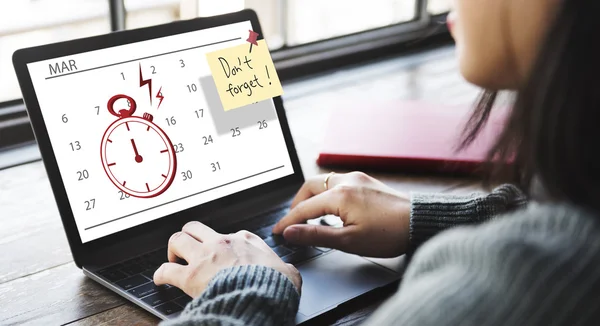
(432, 213)
(243, 295)
(538, 266)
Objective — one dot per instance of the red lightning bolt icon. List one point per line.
(144, 82)
(159, 96)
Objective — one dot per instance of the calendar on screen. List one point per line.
(139, 131)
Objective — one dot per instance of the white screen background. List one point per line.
(256, 156)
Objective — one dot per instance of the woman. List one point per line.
(534, 264)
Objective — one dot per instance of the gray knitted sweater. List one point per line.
(538, 265)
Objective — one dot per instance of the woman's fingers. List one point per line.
(317, 235)
(199, 231)
(170, 273)
(315, 186)
(319, 205)
(182, 245)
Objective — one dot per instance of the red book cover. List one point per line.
(405, 136)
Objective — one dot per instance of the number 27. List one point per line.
(90, 204)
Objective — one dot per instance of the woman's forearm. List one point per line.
(243, 295)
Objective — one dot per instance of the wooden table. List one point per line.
(39, 283)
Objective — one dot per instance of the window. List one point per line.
(290, 23)
(301, 33)
(27, 23)
(436, 7)
(143, 13)
(316, 20)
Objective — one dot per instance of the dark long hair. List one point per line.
(553, 132)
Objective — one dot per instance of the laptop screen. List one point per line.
(139, 131)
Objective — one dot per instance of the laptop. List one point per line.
(136, 143)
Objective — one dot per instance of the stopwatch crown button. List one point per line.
(148, 117)
(124, 113)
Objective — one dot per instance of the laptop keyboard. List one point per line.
(135, 275)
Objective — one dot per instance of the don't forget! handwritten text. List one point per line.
(232, 70)
(244, 77)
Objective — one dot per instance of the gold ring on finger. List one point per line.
(326, 182)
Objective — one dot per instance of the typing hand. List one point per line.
(207, 252)
(376, 217)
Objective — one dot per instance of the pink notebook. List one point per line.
(405, 136)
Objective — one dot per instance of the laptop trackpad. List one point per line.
(336, 278)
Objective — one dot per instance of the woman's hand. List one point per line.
(208, 252)
(376, 217)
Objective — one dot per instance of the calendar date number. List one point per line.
(207, 139)
(75, 146)
(90, 204)
(178, 147)
(82, 175)
(171, 121)
(187, 175)
(123, 195)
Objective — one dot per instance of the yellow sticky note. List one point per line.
(244, 76)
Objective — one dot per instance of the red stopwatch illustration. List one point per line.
(137, 155)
